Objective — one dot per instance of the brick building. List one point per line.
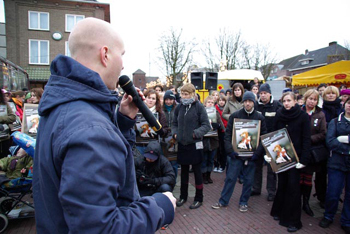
(38, 30)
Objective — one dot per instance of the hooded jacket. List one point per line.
(84, 179)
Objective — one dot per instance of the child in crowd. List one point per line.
(220, 163)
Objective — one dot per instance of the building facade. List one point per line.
(38, 30)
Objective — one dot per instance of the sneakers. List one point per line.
(220, 170)
(216, 169)
(195, 205)
(324, 223)
(243, 208)
(180, 202)
(217, 206)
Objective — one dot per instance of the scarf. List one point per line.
(220, 107)
(288, 115)
(168, 108)
(153, 109)
(239, 99)
(332, 108)
(187, 101)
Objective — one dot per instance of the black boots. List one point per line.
(306, 192)
(205, 179)
(210, 181)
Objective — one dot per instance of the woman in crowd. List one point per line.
(318, 136)
(234, 103)
(18, 98)
(220, 163)
(154, 105)
(338, 169)
(287, 204)
(255, 90)
(189, 126)
(215, 94)
(331, 103)
(344, 95)
(210, 143)
(36, 94)
(7, 117)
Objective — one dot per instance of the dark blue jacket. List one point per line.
(84, 179)
(340, 152)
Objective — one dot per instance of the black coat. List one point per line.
(269, 110)
(160, 171)
(297, 124)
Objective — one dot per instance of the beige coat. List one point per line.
(231, 107)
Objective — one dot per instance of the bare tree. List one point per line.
(226, 47)
(176, 54)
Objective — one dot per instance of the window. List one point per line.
(38, 52)
(304, 62)
(38, 20)
(71, 20)
(67, 51)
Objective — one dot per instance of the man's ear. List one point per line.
(104, 55)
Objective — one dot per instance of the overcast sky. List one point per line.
(289, 27)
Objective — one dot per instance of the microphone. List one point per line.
(127, 85)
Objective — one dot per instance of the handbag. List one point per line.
(319, 153)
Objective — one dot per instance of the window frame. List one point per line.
(75, 21)
(48, 54)
(39, 12)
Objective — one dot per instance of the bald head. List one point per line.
(96, 44)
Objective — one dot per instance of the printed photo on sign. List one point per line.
(169, 147)
(31, 119)
(211, 112)
(279, 147)
(144, 133)
(245, 136)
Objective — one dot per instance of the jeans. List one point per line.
(175, 166)
(337, 180)
(271, 180)
(235, 166)
(208, 161)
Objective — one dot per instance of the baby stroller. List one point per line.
(13, 192)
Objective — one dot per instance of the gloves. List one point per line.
(148, 181)
(299, 166)
(233, 155)
(267, 159)
(254, 157)
(343, 139)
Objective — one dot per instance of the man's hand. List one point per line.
(171, 198)
(299, 166)
(128, 107)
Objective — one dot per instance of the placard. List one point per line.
(31, 118)
(144, 133)
(211, 112)
(169, 147)
(245, 136)
(279, 147)
(17, 125)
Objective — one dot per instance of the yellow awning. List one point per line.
(338, 72)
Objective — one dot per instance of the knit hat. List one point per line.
(248, 96)
(14, 149)
(222, 91)
(286, 90)
(169, 95)
(152, 150)
(345, 92)
(265, 88)
(229, 90)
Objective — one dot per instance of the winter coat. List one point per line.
(9, 118)
(224, 121)
(242, 114)
(297, 124)
(13, 165)
(189, 120)
(160, 171)
(84, 179)
(318, 127)
(331, 109)
(169, 116)
(232, 105)
(340, 152)
(269, 110)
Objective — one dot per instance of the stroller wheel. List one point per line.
(6, 204)
(3, 222)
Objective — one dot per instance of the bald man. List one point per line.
(84, 180)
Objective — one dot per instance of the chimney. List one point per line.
(332, 43)
(306, 51)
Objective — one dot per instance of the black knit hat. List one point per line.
(169, 94)
(265, 88)
(249, 96)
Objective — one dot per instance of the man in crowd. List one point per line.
(236, 162)
(84, 180)
(154, 172)
(268, 108)
(321, 88)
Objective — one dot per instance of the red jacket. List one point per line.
(220, 112)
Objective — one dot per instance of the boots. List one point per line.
(306, 192)
(205, 179)
(210, 181)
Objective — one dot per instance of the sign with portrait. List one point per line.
(280, 149)
(211, 112)
(31, 118)
(144, 133)
(245, 136)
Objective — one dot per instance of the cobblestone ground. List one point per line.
(225, 220)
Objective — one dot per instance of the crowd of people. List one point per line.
(318, 127)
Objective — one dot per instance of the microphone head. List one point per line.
(124, 80)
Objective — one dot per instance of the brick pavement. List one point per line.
(225, 220)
